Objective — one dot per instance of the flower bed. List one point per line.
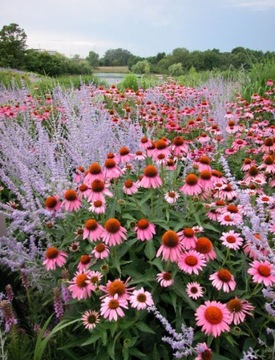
(140, 224)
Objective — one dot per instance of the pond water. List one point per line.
(110, 78)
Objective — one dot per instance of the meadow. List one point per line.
(140, 218)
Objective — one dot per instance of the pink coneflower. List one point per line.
(130, 187)
(79, 174)
(268, 164)
(191, 262)
(223, 279)
(111, 307)
(84, 262)
(145, 143)
(253, 175)
(161, 148)
(171, 247)
(151, 179)
(191, 186)
(239, 144)
(239, 309)
(52, 203)
(226, 192)
(214, 317)
(194, 290)
(229, 219)
(99, 189)
(265, 199)
(74, 247)
(231, 240)
(165, 279)
(101, 251)
(232, 127)
(71, 202)
(171, 196)
(203, 352)
(268, 146)
(92, 230)
(145, 230)
(141, 299)
(203, 163)
(89, 319)
(218, 177)
(203, 138)
(188, 238)
(113, 232)
(205, 180)
(95, 278)
(98, 207)
(262, 272)
(171, 164)
(94, 173)
(139, 155)
(54, 258)
(205, 247)
(247, 163)
(111, 170)
(125, 155)
(117, 288)
(81, 287)
(83, 191)
(179, 147)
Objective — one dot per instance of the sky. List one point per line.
(143, 27)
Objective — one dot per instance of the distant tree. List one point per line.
(12, 46)
(211, 59)
(141, 67)
(175, 69)
(116, 57)
(93, 59)
(55, 64)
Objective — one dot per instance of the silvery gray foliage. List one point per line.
(38, 159)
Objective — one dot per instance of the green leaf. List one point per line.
(92, 339)
(144, 327)
(42, 343)
(150, 250)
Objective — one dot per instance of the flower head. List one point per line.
(262, 272)
(145, 230)
(90, 318)
(81, 287)
(111, 307)
(71, 202)
(165, 279)
(223, 279)
(101, 251)
(113, 233)
(92, 230)
(141, 299)
(214, 317)
(54, 258)
(194, 290)
(231, 240)
(239, 309)
(191, 262)
(171, 247)
(191, 186)
(150, 179)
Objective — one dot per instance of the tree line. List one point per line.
(14, 54)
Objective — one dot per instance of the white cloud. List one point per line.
(68, 45)
(253, 4)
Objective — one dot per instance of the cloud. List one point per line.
(257, 5)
